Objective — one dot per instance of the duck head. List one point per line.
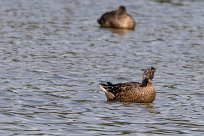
(148, 75)
(122, 8)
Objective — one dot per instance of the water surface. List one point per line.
(53, 55)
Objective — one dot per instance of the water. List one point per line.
(53, 55)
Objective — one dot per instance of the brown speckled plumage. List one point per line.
(132, 91)
(117, 19)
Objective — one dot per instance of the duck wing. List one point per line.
(106, 16)
(114, 89)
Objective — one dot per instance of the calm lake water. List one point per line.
(53, 54)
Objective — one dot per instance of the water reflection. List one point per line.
(121, 31)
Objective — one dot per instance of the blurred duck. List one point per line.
(132, 91)
(117, 19)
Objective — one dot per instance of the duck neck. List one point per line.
(144, 82)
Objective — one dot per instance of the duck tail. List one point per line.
(99, 21)
(105, 88)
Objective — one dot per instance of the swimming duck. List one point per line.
(132, 91)
(117, 19)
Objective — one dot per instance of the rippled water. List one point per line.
(53, 55)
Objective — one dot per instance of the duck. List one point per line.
(118, 19)
(136, 92)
